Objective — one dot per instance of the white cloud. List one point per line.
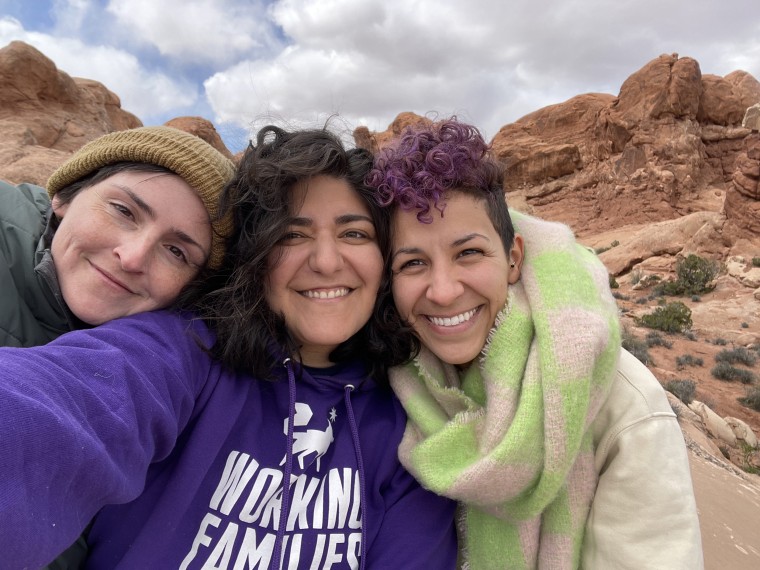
(214, 32)
(489, 61)
(142, 92)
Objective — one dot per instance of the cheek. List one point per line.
(371, 264)
(403, 296)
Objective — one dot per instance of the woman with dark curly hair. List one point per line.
(560, 446)
(276, 448)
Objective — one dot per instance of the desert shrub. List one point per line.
(748, 453)
(618, 295)
(654, 338)
(688, 360)
(720, 342)
(752, 398)
(756, 261)
(635, 276)
(696, 298)
(613, 282)
(728, 373)
(734, 355)
(690, 335)
(603, 248)
(635, 346)
(648, 281)
(684, 390)
(641, 301)
(694, 275)
(745, 325)
(671, 317)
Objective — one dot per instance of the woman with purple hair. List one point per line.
(559, 445)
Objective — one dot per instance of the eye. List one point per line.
(289, 237)
(356, 235)
(470, 252)
(409, 265)
(177, 252)
(122, 210)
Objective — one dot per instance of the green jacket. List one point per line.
(32, 311)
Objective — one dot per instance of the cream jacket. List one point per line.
(644, 515)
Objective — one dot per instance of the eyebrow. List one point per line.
(464, 239)
(340, 220)
(456, 243)
(183, 236)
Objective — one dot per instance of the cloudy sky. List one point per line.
(246, 63)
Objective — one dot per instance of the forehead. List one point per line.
(326, 196)
(462, 214)
(165, 198)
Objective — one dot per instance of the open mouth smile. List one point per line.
(326, 293)
(452, 321)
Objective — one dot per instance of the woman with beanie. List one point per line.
(560, 447)
(266, 438)
(133, 220)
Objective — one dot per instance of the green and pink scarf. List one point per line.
(510, 438)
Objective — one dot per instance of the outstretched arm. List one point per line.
(82, 418)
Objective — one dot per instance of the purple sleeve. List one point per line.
(82, 418)
(430, 539)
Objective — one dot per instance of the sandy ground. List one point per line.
(728, 502)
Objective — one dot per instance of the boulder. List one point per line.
(714, 424)
(45, 114)
(751, 118)
(742, 431)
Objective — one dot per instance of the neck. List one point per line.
(316, 356)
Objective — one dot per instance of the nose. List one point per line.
(444, 287)
(326, 256)
(133, 254)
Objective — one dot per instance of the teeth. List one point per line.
(332, 294)
(452, 321)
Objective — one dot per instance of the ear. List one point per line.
(59, 209)
(516, 257)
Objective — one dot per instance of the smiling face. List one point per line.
(325, 273)
(450, 277)
(129, 244)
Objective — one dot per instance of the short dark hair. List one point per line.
(428, 160)
(259, 197)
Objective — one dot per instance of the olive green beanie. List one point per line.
(203, 167)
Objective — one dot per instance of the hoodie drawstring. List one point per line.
(360, 466)
(282, 521)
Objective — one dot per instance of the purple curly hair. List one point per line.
(428, 160)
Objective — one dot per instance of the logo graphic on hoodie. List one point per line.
(310, 441)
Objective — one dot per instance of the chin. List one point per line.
(456, 359)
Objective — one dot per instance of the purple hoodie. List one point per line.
(190, 459)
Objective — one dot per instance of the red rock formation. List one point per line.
(650, 154)
(742, 205)
(45, 114)
(373, 141)
(201, 128)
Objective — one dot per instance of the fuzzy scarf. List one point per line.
(510, 437)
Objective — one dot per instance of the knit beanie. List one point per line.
(203, 167)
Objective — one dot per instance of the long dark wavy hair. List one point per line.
(261, 200)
